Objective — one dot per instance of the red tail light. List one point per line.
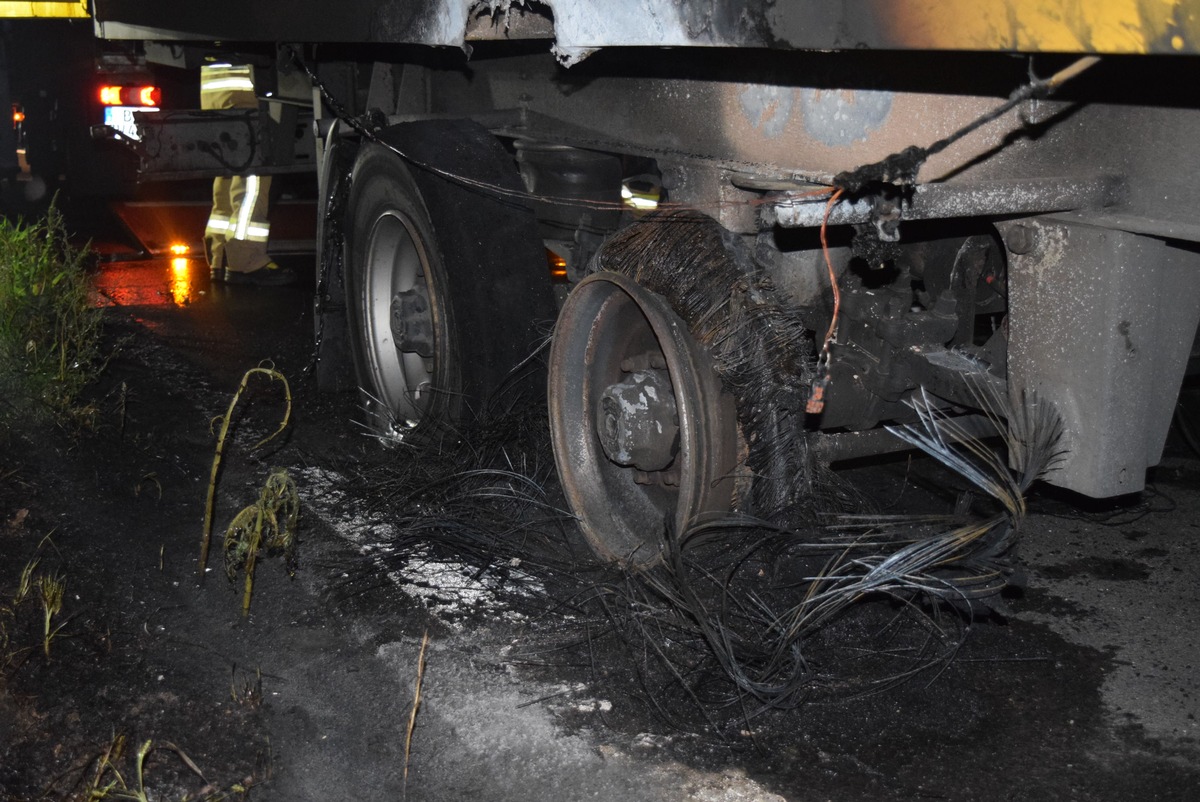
(130, 96)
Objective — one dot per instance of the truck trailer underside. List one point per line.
(774, 226)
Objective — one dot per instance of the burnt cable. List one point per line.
(902, 167)
(816, 398)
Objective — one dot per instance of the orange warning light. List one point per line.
(558, 266)
(179, 249)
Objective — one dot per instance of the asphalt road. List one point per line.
(1086, 689)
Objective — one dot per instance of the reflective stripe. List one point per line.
(227, 83)
(248, 201)
(215, 70)
(217, 226)
(258, 233)
(217, 77)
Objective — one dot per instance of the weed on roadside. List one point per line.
(50, 591)
(225, 421)
(109, 784)
(269, 524)
(49, 329)
(246, 689)
(17, 627)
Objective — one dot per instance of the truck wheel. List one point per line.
(644, 436)
(446, 287)
(333, 365)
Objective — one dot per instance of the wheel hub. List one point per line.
(637, 421)
(412, 321)
(645, 438)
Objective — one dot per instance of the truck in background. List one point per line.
(777, 221)
(63, 82)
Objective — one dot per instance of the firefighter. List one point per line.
(236, 235)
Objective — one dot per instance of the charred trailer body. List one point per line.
(758, 229)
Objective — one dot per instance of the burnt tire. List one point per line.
(645, 438)
(447, 285)
(674, 293)
(333, 365)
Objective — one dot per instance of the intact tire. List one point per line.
(447, 287)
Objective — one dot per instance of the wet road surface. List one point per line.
(1087, 690)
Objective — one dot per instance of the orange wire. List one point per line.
(837, 293)
(816, 399)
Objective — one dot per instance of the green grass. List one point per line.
(49, 329)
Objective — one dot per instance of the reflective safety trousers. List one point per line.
(238, 227)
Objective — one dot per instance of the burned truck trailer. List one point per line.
(758, 229)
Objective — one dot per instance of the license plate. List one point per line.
(121, 118)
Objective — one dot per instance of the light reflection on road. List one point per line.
(181, 281)
(225, 329)
(178, 281)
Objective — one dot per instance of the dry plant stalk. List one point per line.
(116, 788)
(246, 690)
(412, 717)
(274, 375)
(269, 523)
(106, 763)
(51, 590)
(25, 584)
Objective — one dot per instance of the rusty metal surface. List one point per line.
(748, 114)
(935, 201)
(751, 123)
(582, 26)
(750, 117)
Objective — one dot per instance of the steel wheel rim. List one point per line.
(396, 262)
(607, 320)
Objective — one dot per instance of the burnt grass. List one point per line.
(145, 653)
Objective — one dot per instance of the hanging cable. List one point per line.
(816, 397)
(370, 134)
(901, 168)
